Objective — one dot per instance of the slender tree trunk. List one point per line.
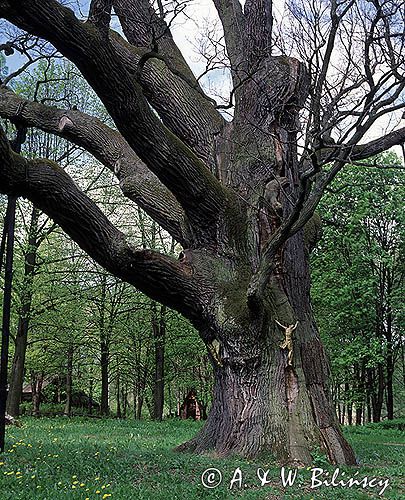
(104, 362)
(375, 391)
(390, 391)
(21, 339)
(104, 352)
(350, 413)
(380, 393)
(369, 408)
(338, 404)
(359, 414)
(69, 381)
(348, 403)
(390, 364)
(159, 327)
(90, 406)
(139, 406)
(59, 390)
(125, 400)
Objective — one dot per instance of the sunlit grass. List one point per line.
(58, 458)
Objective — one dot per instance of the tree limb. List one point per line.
(52, 190)
(183, 106)
(233, 23)
(372, 148)
(137, 182)
(198, 191)
(363, 151)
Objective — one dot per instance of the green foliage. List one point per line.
(396, 424)
(3, 66)
(358, 269)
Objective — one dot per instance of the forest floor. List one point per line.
(79, 458)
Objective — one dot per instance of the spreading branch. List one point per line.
(52, 190)
(137, 182)
(198, 191)
(183, 106)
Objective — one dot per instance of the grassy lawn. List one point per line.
(58, 458)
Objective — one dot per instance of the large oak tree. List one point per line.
(238, 195)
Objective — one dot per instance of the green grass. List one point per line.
(58, 458)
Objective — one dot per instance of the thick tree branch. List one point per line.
(233, 23)
(363, 151)
(372, 148)
(259, 27)
(200, 194)
(137, 182)
(143, 28)
(181, 104)
(51, 189)
(171, 87)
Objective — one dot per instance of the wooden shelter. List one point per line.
(191, 407)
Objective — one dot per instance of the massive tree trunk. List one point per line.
(270, 395)
(261, 403)
(234, 194)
